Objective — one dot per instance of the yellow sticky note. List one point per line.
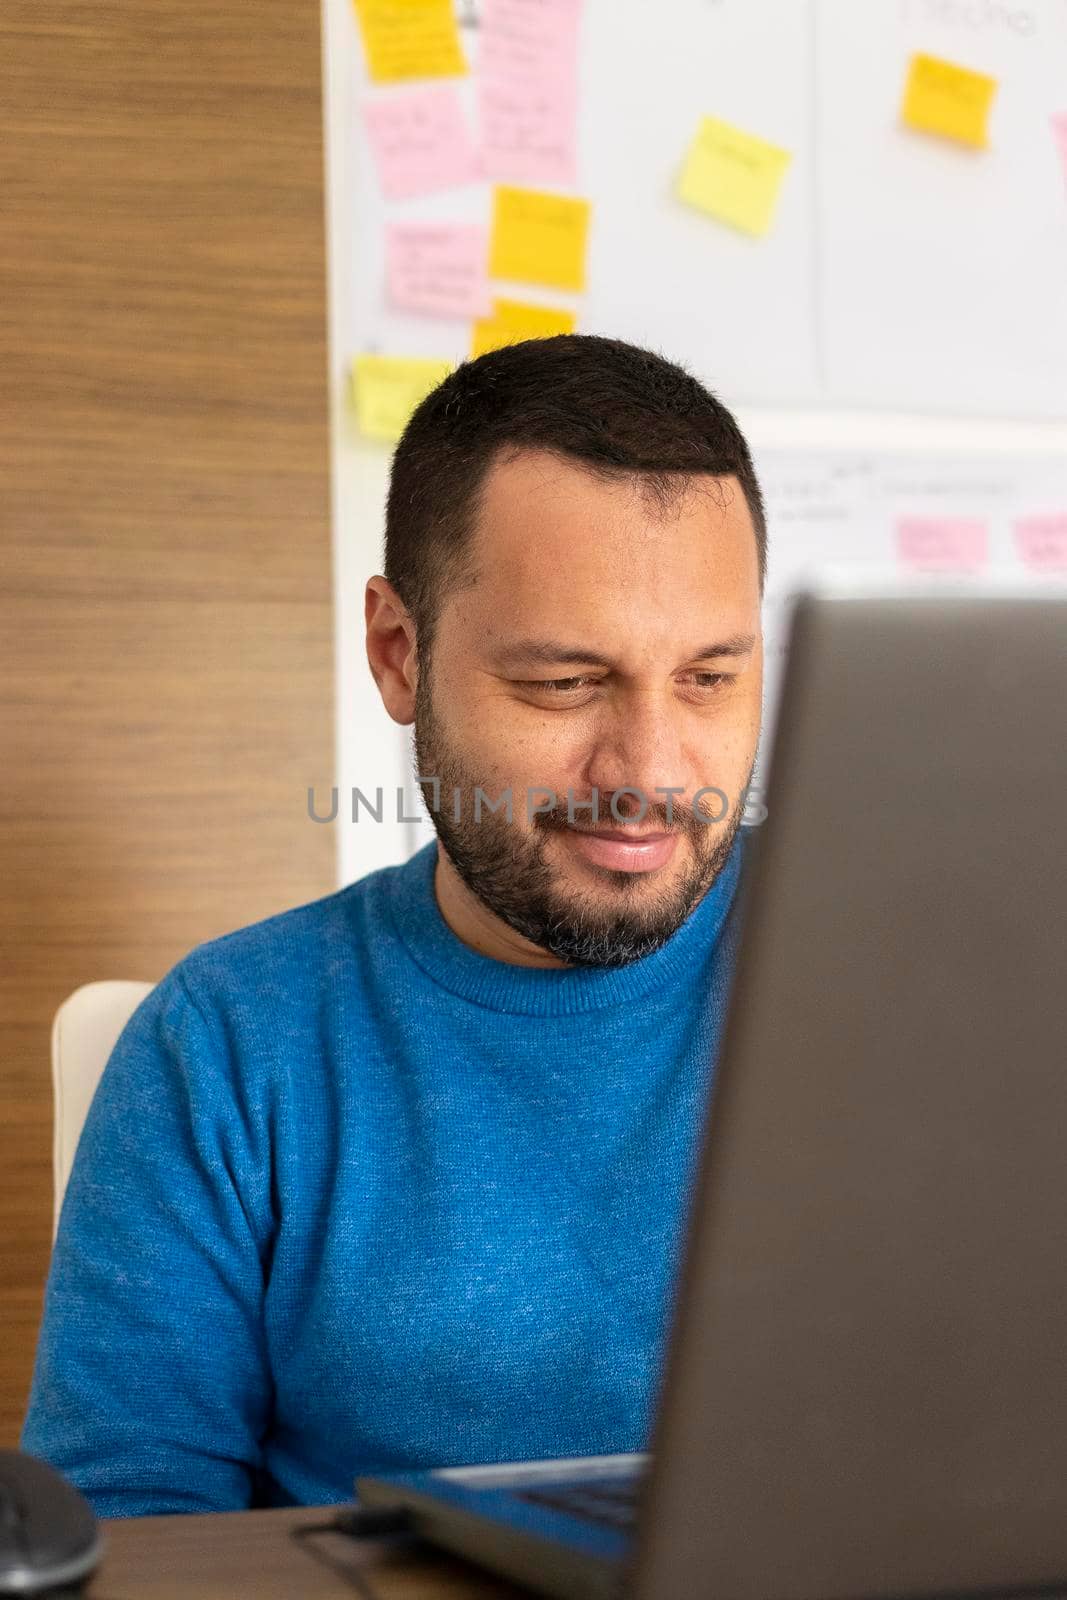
(538, 237)
(410, 39)
(733, 175)
(388, 388)
(512, 321)
(948, 100)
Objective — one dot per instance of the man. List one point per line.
(399, 1177)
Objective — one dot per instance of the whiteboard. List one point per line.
(943, 269)
(900, 271)
(843, 509)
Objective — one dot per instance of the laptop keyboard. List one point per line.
(612, 1501)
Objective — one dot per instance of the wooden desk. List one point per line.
(251, 1555)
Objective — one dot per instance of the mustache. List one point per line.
(618, 807)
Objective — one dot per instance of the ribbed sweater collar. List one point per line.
(504, 987)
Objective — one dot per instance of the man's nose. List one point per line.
(637, 749)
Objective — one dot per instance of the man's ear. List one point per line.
(391, 649)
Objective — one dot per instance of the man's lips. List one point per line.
(626, 835)
(623, 850)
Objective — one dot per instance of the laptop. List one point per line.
(865, 1389)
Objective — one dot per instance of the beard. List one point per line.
(509, 871)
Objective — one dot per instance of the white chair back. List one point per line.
(84, 1032)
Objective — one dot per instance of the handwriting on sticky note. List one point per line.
(512, 321)
(1042, 542)
(733, 175)
(529, 130)
(437, 269)
(528, 91)
(942, 544)
(521, 40)
(538, 237)
(410, 39)
(948, 100)
(420, 142)
(388, 388)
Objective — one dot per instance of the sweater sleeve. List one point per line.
(151, 1388)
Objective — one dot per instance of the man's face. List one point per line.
(601, 648)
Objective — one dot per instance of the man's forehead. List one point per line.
(538, 516)
(590, 568)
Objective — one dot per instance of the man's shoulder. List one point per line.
(287, 949)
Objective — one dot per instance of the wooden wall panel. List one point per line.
(166, 653)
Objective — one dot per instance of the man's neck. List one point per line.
(477, 926)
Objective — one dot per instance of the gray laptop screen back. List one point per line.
(867, 1393)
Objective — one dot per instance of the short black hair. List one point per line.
(614, 407)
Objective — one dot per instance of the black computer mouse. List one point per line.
(49, 1537)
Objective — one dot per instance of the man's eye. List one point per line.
(559, 685)
(705, 680)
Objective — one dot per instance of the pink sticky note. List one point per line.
(1059, 133)
(520, 40)
(420, 141)
(1042, 542)
(438, 269)
(528, 91)
(529, 132)
(942, 544)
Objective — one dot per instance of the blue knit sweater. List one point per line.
(353, 1196)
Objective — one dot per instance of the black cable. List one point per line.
(355, 1522)
(363, 1522)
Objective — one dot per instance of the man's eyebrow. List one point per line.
(552, 652)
